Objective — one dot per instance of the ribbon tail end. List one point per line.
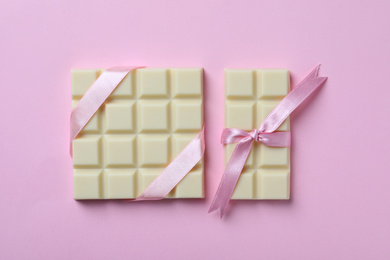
(322, 80)
(213, 208)
(317, 69)
(220, 209)
(314, 73)
(221, 213)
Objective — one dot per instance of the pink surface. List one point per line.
(339, 208)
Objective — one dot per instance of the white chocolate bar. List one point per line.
(148, 119)
(251, 94)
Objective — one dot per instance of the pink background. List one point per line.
(339, 208)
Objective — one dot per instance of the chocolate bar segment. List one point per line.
(251, 94)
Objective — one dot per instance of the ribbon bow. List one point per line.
(265, 134)
(275, 139)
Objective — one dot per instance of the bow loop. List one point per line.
(233, 135)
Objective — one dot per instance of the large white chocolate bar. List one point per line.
(251, 94)
(148, 119)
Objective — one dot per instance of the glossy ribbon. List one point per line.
(176, 170)
(95, 97)
(265, 134)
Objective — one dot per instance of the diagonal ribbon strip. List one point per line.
(176, 170)
(96, 95)
(265, 134)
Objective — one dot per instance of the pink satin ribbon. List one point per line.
(96, 95)
(265, 134)
(176, 170)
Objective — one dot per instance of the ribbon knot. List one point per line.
(265, 134)
(275, 139)
(255, 135)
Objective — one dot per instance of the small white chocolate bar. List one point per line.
(148, 119)
(251, 94)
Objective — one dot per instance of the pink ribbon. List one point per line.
(265, 134)
(176, 170)
(96, 95)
